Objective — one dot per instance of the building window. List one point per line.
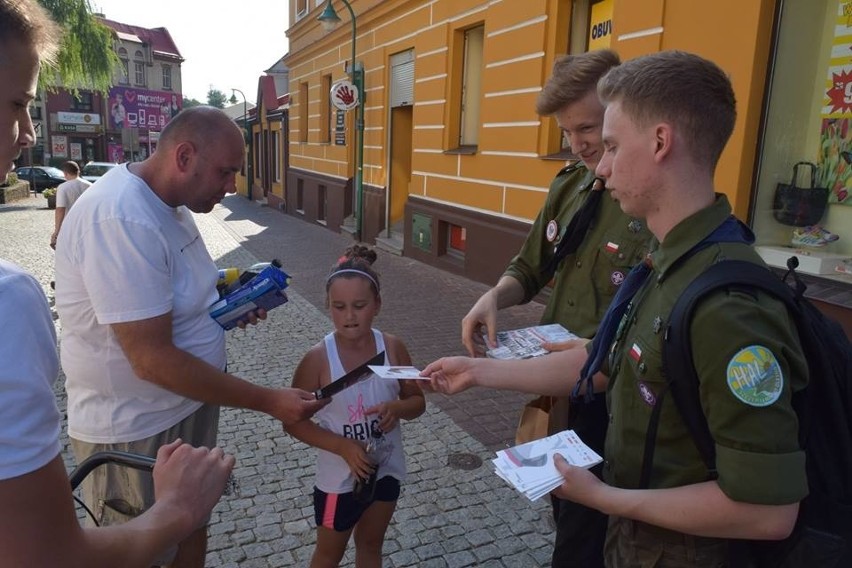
(167, 77)
(257, 149)
(471, 86)
(35, 112)
(303, 112)
(301, 9)
(300, 196)
(82, 102)
(325, 109)
(591, 25)
(322, 199)
(124, 71)
(276, 155)
(139, 69)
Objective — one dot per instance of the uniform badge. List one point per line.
(612, 247)
(634, 226)
(647, 394)
(552, 230)
(616, 278)
(635, 352)
(658, 324)
(754, 376)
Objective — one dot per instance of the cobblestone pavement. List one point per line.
(447, 516)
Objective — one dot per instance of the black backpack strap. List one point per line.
(678, 364)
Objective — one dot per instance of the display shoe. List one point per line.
(808, 237)
(845, 266)
(826, 235)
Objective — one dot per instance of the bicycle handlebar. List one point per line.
(142, 463)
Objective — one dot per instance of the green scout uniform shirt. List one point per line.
(757, 452)
(587, 280)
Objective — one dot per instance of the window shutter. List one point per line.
(402, 79)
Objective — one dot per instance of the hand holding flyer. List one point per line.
(526, 342)
(397, 372)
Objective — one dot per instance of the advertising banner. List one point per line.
(141, 108)
(60, 146)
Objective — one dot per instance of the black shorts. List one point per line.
(340, 511)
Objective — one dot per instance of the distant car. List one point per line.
(94, 170)
(41, 177)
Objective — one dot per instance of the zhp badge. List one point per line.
(634, 226)
(552, 230)
(754, 376)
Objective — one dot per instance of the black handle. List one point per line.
(143, 463)
(813, 168)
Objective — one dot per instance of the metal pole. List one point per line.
(250, 142)
(358, 80)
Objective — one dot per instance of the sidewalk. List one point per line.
(448, 516)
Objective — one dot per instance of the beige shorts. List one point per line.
(116, 494)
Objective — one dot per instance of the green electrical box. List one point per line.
(421, 231)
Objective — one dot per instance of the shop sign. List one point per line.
(344, 95)
(340, 128)
(60, 146)
(600, 26)
(78, 118)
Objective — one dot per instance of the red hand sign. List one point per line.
(345, 95)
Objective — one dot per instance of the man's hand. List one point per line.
(451, 375)
(252, 318)
(580, 485)
(294, 405)
(483, 315)
(190, 480)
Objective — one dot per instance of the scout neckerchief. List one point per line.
(730, 230)
(577, 227)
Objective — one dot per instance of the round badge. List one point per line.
(552, 230)
(754, 376)
(616, 278)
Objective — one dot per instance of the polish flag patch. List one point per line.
(635, 353)
(611, 247)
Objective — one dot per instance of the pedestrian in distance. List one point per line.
(38, 524)
(360, 458)
(585, 244)
(67, 194)
(668, 117)
(145, 363)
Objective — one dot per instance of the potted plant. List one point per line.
(50, 194)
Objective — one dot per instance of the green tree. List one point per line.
(189, 103)
(216, 98)
(86, 58)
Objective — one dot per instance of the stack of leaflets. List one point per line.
(525, 343)
(529, 467)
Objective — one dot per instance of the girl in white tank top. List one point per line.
(341, 429)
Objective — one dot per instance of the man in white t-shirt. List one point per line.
(38, 526)
(66, 194)
(144, 361)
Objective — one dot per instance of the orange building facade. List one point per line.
(456, 162)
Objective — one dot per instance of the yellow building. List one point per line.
(456, 162)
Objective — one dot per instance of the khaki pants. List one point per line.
(631, 544)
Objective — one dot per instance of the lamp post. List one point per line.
(329, 20)
(249, 140)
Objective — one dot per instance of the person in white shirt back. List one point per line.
(66, 194)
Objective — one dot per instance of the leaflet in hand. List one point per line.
(526, 342)
(397, 372)
(529, 467)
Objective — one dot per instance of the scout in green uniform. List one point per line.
(668, 117)
(584, 281)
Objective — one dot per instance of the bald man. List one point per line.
(145, 363)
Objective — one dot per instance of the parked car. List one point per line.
(41, 177)
(94, 170)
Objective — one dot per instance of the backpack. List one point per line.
(823, 533)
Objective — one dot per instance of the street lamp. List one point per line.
(329, 20)
(249, 139)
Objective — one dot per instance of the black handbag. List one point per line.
(800, 206)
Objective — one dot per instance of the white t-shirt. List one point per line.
(344, 415)
(68, 192)
(127, 256)
(29, 419)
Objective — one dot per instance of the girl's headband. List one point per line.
(353, 271)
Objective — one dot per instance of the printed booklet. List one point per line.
(529, 467)
(526, 342)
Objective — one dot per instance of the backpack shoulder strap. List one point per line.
(678, 364)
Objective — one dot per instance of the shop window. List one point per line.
(471, 86)
(300, 196)
(303, 112)
(591, 25)
(322, 204)
(453, 240)
(167, 77)
(808, 119)
(325, 109)
(82, 102)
